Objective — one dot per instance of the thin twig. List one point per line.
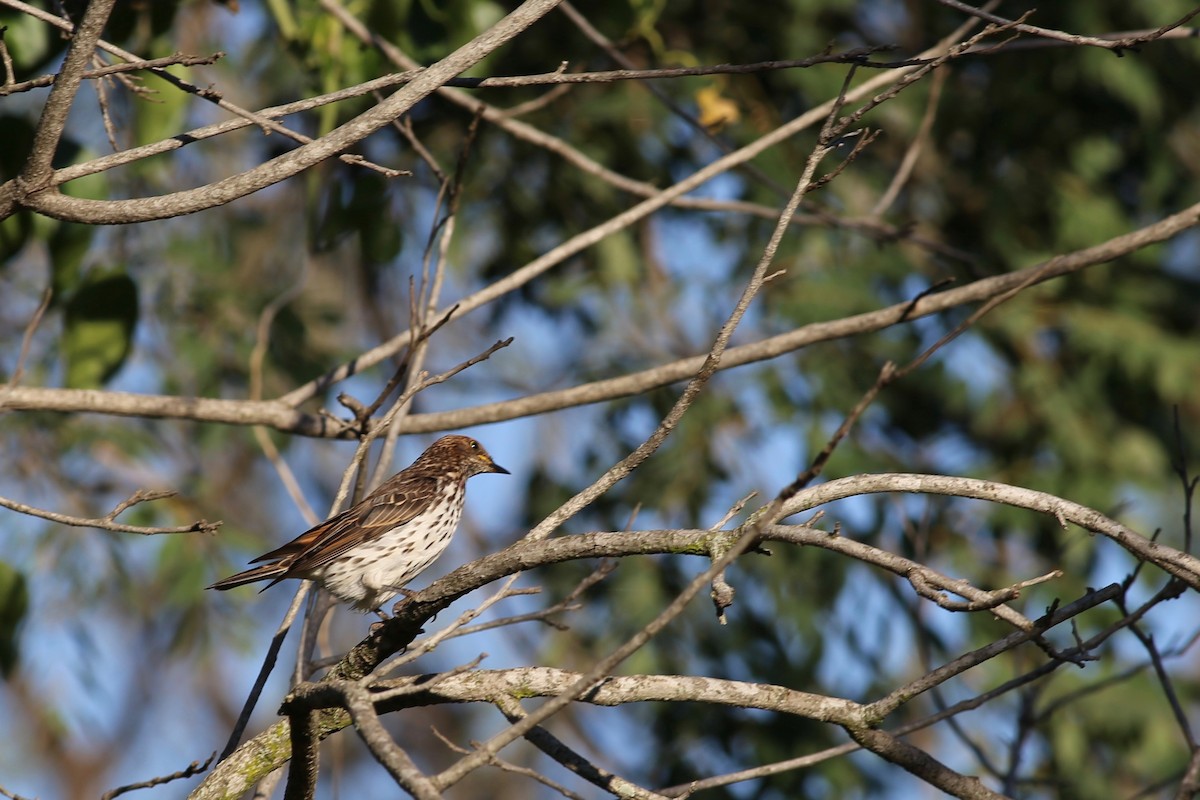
(107, 523)
(111, 69)
(195, 768)
(110, 129)
(429, 644)
(425, 306)
(501, 764)
(554, 747)
(425, 382)
(1172, 590)
(258, 357)
(568, 603)
(909, 162)
(264, 671)
(1118, 46)
(7, 61)
(27, 337)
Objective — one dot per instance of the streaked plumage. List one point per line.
(366, 554)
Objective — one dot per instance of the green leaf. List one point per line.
(14, 233)
(14, 604)
(371, 211)
(160, 116)
(68, 246)
(98, 329)
(29, 40)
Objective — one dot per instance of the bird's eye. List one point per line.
(474, 445)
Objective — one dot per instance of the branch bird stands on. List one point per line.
(366, 554)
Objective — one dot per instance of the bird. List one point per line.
(366, 554)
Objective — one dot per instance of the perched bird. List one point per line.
(367, 553)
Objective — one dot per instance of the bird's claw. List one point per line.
(408, 597)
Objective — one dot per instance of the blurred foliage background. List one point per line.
(118, 666)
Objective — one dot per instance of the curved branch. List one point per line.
(1175, 562)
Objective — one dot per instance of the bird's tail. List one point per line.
(262, 573)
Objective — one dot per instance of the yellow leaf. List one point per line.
(716, 111)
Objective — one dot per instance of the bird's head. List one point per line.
(463, 452)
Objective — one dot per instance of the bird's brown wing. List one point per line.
(395, 502)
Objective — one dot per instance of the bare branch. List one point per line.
(107, 523)
(27, 338)
(1118, 45)
(656, 198)
(114, 69)
(1177, 563)
(788, 342)
(12, 795)
(303, 763)
(887, 705)
(526, 555)
(36, 173)
(195, 768)
(554, 747)
(384, 749)
(6, 59)
(923, 765)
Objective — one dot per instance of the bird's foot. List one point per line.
(383, 617)
(408, 596)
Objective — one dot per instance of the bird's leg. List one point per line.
(383, 617)
(409, 594)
